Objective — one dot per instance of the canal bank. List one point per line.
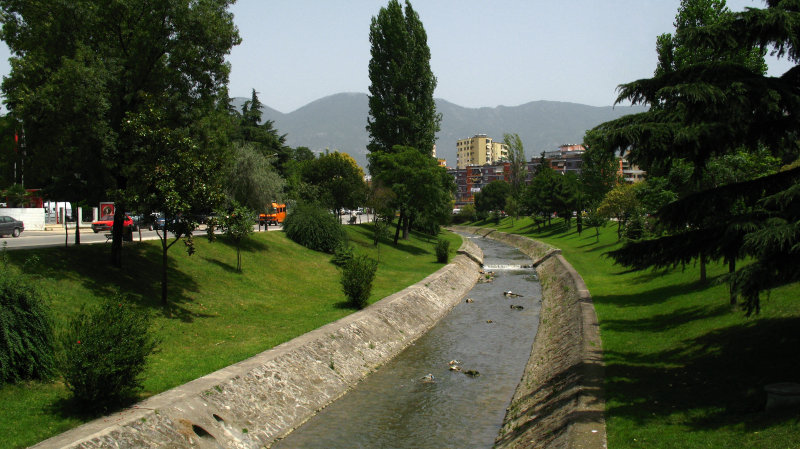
(452, 386)
(251, 403)
(559, 402)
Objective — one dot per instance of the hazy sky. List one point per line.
(504, 52)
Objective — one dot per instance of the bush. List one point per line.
(26, 338)
(357, 278)
(466, 214)
(105, 350)
(314, 227)
(442, 250)
(342, 254)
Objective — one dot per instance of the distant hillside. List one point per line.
(338, 122)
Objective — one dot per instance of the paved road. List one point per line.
(57, 237)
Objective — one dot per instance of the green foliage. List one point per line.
(26, 341)
(251, 178)
(420, 186)
(713, 109)
(492, 197)
(238, 225)
(104, 351)
(402, 110)
(357, 277)
(442, 250)
(339, 179)
(467, 214)
(16, 195)
(517, 161)
(342, 254)
(314, 227)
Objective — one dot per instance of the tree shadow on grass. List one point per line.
(653, 296)
(247, 245)
(224, 265)
(712, 381)
(139, 280)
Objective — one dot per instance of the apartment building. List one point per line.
(479, 149)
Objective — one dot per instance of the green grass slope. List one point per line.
(216, 316)
(683, 369)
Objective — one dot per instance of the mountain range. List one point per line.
(338, 122)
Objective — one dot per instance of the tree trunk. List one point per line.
(66, 231)
(164, 249)
(399, 225)
(732, 286)
(703, 276)
(77, 232)
(116, 233)
(406, 226)
(579, 223)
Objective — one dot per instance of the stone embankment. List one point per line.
(559, 401)
(254, 402)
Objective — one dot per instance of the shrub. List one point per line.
(314, 227)
(342, 254)
(442, 250)
(26, 338)
(466, 214)
(357, 277)
(105, 350)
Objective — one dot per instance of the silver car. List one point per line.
(11, 226)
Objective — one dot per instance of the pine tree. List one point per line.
(707, 108)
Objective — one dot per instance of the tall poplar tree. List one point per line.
(402, 111)
(707, 108)
(401, 106)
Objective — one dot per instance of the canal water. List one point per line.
(416, 400)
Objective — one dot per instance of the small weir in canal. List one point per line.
(420, 399)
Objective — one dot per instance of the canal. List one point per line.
(451, 387)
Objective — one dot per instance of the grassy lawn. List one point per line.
(683, 369)
(216, 316)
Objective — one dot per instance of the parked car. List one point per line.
(106, 222)
(10, 225)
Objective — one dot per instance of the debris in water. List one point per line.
(472, 373)
(516, 307)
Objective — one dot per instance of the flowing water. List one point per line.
(416, 400)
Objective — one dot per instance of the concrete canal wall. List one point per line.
(559, 402)
(254, 402)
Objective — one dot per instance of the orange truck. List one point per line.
(275, 215)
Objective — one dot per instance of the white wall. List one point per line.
(32, 217)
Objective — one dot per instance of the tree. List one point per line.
(339, 178)
(539, 196)
(619, 203)
(79, 68)
(172, 175)
(707, 108)
(516, 159)
(401, 106)
(262, 136)
(492, 197)
(238, 225)
(251, 179)
(402, 111)
(421, 187)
